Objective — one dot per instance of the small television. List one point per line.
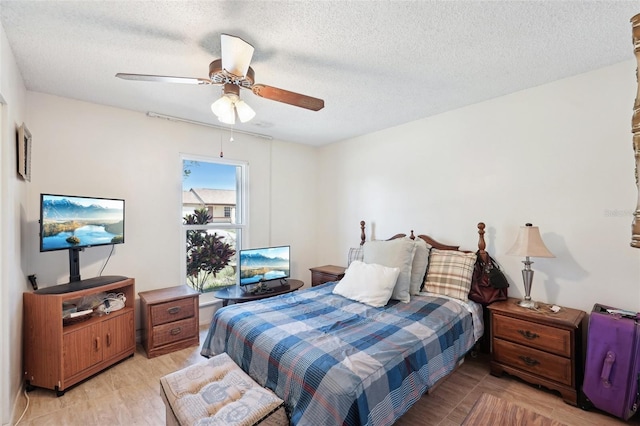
(74, 223)
(264, 264)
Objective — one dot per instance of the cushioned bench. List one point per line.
(218, 392)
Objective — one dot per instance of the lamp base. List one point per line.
(529, 304)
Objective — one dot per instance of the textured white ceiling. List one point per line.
(376, 64)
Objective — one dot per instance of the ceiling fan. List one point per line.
(233, 72)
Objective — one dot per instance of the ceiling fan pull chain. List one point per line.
(230, 140)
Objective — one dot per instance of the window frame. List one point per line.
(240, 224)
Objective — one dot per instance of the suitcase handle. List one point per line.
(609, 359)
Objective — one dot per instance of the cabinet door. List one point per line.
(119, 335)
(81, 349)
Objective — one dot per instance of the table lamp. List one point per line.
(529, 244)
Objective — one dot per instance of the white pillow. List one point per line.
(367, 283)
(396, 253)
(419, 265)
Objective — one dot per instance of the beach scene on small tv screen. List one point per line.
(263, 264)
(69, 222)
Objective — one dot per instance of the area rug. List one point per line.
(491, 410)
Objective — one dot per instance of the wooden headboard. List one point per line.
(482, 245)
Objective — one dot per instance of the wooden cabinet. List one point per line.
(326, 273)
(539, 346)
(59, 355)
(170, 319)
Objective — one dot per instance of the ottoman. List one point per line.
(218, 392)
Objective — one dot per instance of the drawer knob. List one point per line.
(528, 335)
(175, 331)
(174, 310)
(529, 361)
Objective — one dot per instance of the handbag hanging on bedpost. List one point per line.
(488, 283)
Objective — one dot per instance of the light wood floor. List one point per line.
(129, 394)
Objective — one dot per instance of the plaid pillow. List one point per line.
(450, 273)
(355, 254)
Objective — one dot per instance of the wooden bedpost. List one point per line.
(362, 235)
(482, 244)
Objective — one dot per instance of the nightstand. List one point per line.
(539, 346)
(326, 273)
(169, 319)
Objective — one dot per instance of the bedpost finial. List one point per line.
(413, 237)
(362, 234)
(481, 243)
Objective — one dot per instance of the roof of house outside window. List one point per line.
(209, 196)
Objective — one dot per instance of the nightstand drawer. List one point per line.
(546, 338)
(326, 273)
(175, 331)
(172, 311)
(318, 278)
(541, 363)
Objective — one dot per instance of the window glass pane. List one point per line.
(210, 185)
(212, 221)
(211, 258)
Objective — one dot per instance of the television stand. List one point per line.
(236, 295)
(59, 353)
(261, 288)
(81, 284)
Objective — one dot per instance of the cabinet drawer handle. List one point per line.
(529, 361)
(175, 331)
(97, 344)
(174, 310)
(528, 335)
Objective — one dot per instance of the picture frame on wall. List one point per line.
(24, 152)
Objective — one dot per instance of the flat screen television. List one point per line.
(73, 223)
(264, 264)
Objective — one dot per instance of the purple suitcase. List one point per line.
(612, 369)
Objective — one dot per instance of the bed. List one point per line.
(338, 361)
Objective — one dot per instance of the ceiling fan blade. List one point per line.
(164, 78)
(291, 98)
(236, 55)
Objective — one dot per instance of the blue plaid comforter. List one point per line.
(335, 361)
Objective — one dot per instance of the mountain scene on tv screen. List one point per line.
(256, 267)
(67, 224)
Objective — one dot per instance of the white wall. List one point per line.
(294, 209)
(87, 149)
(12, 215)
(559, 156)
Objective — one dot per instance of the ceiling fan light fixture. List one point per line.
(227, 118)
(245, 112)
(222, 106)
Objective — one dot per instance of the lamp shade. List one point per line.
(245, 112)
(228, 118)
(529, 243)
(222, 106)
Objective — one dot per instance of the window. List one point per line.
(213, 220)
